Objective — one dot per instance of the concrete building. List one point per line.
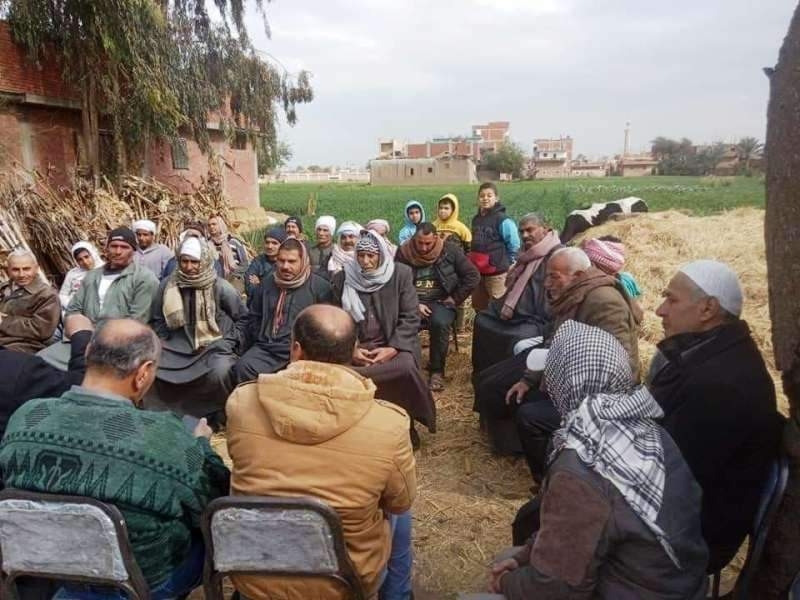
(589, 169)
(637, 165)
(423, 171)
(41, 129)
(338, 176)
(552, 158)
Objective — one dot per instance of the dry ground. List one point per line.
(467, 497)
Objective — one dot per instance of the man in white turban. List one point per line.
(344, 251)
(149, 253)
(320, 253)
(718, 400)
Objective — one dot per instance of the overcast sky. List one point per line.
(416, 69)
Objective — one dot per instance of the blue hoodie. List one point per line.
(409, 229)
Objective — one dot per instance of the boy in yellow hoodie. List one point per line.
(448, 225)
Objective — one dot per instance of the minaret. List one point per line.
(627, 147)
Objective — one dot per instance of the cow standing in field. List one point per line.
(579, 221)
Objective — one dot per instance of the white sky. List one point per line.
(416, 69)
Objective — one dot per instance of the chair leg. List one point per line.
(715, 579)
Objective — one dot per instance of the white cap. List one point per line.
(191, 248)
(144, 225)
(536, 359)
(718, 280)
(326, 221)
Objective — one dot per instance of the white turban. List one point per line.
(349, 227)
(326, 221)
(191, 248)
(717, 280)
(145, 225)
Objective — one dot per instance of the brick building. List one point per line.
(41, 128)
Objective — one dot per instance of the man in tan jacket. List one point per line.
(316, 429)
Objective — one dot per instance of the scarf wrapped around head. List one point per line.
(608, 420)
(206, 328)
(90, 248)
(381, 227)
(409, 252)
(339, 258)
(356, 280)
(227, 256)
(607, 256)
(292, 283)
(528, 261)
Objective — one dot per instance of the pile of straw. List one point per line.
(48, 220)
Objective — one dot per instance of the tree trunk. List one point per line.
(781, 560)
(119, 137)
(91, 128)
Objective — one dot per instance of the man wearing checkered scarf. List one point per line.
(620, 509)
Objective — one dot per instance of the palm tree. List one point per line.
(748, 148)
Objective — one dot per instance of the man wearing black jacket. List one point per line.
(718, 400)
(443, 278)
(24, 376)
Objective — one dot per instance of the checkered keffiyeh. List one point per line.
(607, 419)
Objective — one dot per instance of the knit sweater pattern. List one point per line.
(145, 463)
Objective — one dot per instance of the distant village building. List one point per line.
(589, 169)
(335, 176)
(492, 135)
(637, 165)
(41, 129)
(552, 158)
(423, 171)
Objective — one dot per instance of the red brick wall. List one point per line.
(20, 75)
(240, 171)
(43, 139)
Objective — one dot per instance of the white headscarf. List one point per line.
(339, 258)
(145, 225)
(607, 419)
(89, 247)
(356, 280)
(328, 222)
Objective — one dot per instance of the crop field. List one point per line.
(552, 199)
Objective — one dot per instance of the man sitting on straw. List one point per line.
(120, 289)
(29, 308)
(718, 400)
(149, 253)
(265, 333)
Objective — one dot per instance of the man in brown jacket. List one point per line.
(576, 290)
(29, 308)
(316, 429)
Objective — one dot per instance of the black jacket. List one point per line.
(24, 376)
(719, 407)
(454, 272)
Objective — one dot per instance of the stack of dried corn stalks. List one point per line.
(48, 220)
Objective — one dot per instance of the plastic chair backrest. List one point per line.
(771, 498)
(298, 537)
(67, 538)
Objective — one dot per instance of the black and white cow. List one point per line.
(579, 221)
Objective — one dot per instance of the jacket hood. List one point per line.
(454, 216)
(311, 402)
(412, 204)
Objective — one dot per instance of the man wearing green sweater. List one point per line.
(94, 441)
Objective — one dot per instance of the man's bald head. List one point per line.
(119, 347)
(325, 334)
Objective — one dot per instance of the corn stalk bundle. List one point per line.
(48, 220)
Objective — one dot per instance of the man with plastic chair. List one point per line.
(94, 441)
(718, 399)
(316, 429)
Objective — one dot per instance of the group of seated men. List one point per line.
(676, 464)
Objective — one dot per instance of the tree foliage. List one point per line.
(681, 157)
(509, 158)
(269, 159)
(159, 68)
